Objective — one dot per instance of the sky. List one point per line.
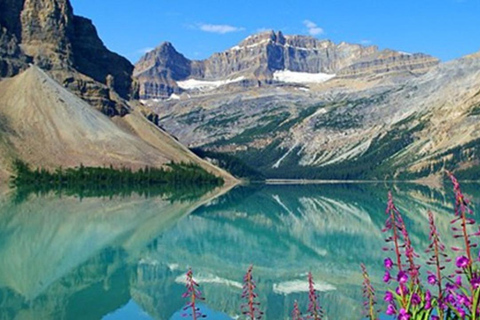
(446, 29)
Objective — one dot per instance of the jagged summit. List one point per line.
(269, 57)
(48, 34)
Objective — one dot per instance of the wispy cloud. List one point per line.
(365, 42)
(144, 50)
(219, 28)
(313, 28)
(262, 30)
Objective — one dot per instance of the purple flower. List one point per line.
(461, 312)
(388, 296)
(428, 300)
(428, 305)
(404, 290)
(391, 310)
(388, 263)
(451, 299)
(458, 281)
(432, 279)
(475, 282)
(416, 299)
(435, 318)
(387, 277)
(462, 262)
(402, 277)
(404, 315)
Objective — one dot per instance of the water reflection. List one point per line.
(125, 257)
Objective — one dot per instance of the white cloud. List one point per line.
(262, 30)
(145, 50)
(365, 42)
(313, 28)
(219, 28)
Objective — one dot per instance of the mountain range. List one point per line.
(298, 107)
(287, 106)
(261, 59)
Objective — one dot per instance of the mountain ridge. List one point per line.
(405, 128)
(254, 61)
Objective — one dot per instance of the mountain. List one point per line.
(270, 57)
(44, 124)
(48, 34)
(55, 70)
(365, 114)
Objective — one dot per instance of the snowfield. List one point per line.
(202, 85)
(301, 77)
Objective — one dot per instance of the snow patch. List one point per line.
(301, 77)
(250, 46)
(202, 85)
(303, 89)
(210, 279)
(174, 97)
(277, 164)
(289, 287)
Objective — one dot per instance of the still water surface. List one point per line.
(125, 257)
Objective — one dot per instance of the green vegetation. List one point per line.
(375, 163)
(230, 163)
(177, 182)
(475, 110)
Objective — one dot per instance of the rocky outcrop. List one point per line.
(258, 57)
(12, 58)
(48, 34)
(390, 62)
(158, 71)
(91, 57)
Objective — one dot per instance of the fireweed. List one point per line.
(369, 295)
(463, 287)
(194, 295)
(456, 296)
(315, 311)
(251, 308)
(296, 314)
(409, 299)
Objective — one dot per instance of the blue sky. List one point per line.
(446, 29)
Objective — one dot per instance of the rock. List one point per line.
(256, 59)
(12, 58)
(158, 71)
(48, 34)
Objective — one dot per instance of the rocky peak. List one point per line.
(47, 30)
(164, 58)
(256, 59)
(47, 33)
(267, 37)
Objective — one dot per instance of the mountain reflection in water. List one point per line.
(125, 257)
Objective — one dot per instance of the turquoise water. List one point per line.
(125, 257)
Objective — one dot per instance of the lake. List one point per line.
(125, 257)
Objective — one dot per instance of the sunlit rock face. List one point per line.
(257, 59)
(375, 128)
(48, 34)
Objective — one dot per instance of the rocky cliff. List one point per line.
(255, 61)
(48, 34)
